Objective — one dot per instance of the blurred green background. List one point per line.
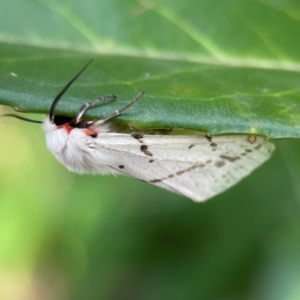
(65, 236)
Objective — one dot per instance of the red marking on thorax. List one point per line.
(65, 126)
(68, 128)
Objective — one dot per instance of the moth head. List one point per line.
(59, 120)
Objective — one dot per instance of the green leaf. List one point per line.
(222, 67)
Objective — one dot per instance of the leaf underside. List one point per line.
(217, 67)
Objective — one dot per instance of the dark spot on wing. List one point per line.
(177, 173)
(186, 170)
(94, 135)
(230, 158)
(257, 147)
(155, 180)
(180, 172)
(144, 149)
(209, 138)
(151, 160)
(248, 150)
(208, 161)
(220, 163)
(138, 136)
(191, 146)
(121, 166)
(243, 154)
(213, 144)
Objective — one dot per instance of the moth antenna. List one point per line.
(87, 105)
(57, 98)
(22, 118)
(117, 112)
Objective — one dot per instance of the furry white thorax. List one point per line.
(75, 149)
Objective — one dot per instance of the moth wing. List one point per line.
(194, 166)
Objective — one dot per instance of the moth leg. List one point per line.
(151, 131)
(117, 112)
(87, 105)
(158, 130)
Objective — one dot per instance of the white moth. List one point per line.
(195, 166)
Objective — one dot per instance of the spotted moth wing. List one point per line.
(197, 167)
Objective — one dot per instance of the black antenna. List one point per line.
(21, 118)
(57, 98)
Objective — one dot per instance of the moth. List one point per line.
(195, 166)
